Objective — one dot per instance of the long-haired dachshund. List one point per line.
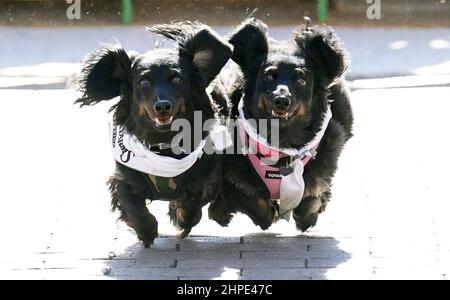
(299, 84)
(156, 89)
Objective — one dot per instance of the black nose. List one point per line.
(163, 107)
(281, 103)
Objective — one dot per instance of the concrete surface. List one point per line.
(375, 52)
(388, 218)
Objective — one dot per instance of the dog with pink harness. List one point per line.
(299, 84)
(285, 184)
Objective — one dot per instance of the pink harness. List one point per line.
(284, 184)
(269, 175)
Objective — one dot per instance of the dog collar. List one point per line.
(285, 184)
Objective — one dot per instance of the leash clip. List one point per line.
(163, 146)
(287, 169)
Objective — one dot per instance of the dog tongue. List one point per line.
(279, 114)
(164, 120)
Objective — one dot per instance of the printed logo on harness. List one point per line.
(273, 174)
(126, 154)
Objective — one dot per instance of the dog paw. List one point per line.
(265, 215)
(184, 233)
(148, 232)
(264, 224)
(187, 219)
(148, 236)
(220, 212)
(303, 223)
(223, 218)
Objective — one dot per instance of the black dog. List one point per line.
(295, 83)
(155, 89)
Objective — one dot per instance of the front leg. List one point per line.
(204, 185)
(318, 177)
(242, 193)
(307, 212)
(185, 215)
(248, 201)
(221, 210)
(133, 210)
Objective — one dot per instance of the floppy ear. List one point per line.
(106, 74)
(198, 44)
(209, 53)
(250, 44)
(323, 50)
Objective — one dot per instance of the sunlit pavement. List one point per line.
(388, 218)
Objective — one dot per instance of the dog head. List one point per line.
(288, 81)
(161, 85)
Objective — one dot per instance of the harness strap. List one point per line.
(270, 175)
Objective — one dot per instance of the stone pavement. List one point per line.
(388, 218)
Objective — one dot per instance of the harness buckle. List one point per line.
(163, 146)
(244, 151)
(287, 169)
(311, 153)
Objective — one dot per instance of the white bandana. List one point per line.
(129, 151)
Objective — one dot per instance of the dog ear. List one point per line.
(209, 53)
(250, 42)
(198, 44)
(323, 50)
(105, 74)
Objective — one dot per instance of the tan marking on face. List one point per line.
(301, 110)
(141, 111)
(261, 104)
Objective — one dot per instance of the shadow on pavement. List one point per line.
(253, 256)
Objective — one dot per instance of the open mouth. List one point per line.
(282, 115)
(160, 121)
(163, 121)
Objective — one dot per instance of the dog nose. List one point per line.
(282, 90)
(163, 107)
(281, 103)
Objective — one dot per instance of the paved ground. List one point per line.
(388, 218)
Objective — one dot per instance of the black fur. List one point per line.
(178, 76)
(294, 82)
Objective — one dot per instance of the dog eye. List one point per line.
(144, 83)
(176, 79)
(268, 77)
(301, 81)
